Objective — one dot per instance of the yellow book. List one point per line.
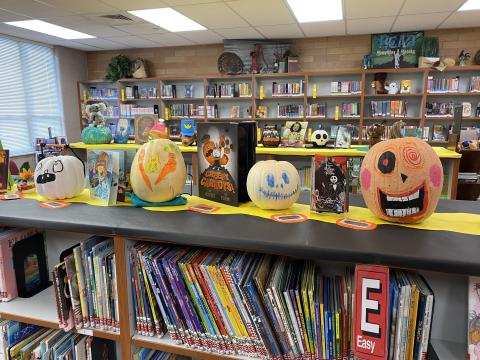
(412, 322)
(262, 92)
(322, 324)
(309, 136)
(123, 94)
(314, 90)
(337, 112)
(85, 97)
(167, 113)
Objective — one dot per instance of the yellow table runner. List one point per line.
(464, 223)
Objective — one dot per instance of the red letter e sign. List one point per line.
(371, 312)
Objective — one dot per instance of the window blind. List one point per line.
(30, 100)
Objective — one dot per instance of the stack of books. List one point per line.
(186, 110)
(288, 89)
(136, 92)
(349, 110)
(85, 285)
(263, 306)
(443, 85)
(221, 90)
(345, 87)
(389, 108)
(130, 111)
(23, 341)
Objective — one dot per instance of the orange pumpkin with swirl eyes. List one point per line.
(401, 180)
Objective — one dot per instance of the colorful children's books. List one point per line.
(226, 154)
(103, 175)
(330, 184)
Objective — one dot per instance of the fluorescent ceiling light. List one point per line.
(168, 19)
(316, 10)
(470, 5)
(50, 29)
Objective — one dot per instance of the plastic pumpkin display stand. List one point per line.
(465, 223)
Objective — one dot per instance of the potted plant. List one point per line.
(120, 67)
(428, 52)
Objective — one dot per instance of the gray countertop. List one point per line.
(389, 244)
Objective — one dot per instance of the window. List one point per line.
(30, 100)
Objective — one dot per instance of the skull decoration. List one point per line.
(402, 180)
(273, 184)
(158, 171)
(320, 138)
(59, 177)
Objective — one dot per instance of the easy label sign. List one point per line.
(371, 312)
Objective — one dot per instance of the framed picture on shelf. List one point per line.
(395, 50)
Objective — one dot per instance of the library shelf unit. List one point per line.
(391, 245)
(417, 99)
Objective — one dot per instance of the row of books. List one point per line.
(440, 109)
(187, 110)
(345, 87)
(24, 341)
(130, 111)
(100, 93)
(170, 91)
(85, 284)
(229, 90)
(148, 354)
(111, 111)
(443, 85)
(474, 85)
(139, 92)
(305, 175)
(289, 111)
(263, 306)
(389, 108)
(293, 88)
(318, 110)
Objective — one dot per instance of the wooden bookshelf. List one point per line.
(419, 98)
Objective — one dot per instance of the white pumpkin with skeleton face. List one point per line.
(59, 177)
(273, 184)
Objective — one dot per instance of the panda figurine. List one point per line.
(319, 138)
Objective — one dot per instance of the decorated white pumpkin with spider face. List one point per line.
(273, 184)
(59, 177)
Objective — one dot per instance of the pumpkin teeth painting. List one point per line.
(401, 180)
(273, 185)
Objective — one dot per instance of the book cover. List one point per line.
(63, 293)
(143, 124)
(330, 185)
(474, 317)
(4, 166)
(343, 139)
(74, 290)
(103, 175)
(293, 134)
(218, 162)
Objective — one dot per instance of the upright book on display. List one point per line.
(103, 175)
(226, 154)
(330, 184)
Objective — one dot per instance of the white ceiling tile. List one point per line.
(419, 21)
(168, 39)
(358, 9)
(141, 29)
(264, 12)
(32, 8)
(9, 16)
(240, 33)
(324, 28)
(462, 19)
(281, 31)
(369, 26)
(102, 44)
(79, 6)
(188, 2)
(212, 16)
(429, 6)
(202, 36)
(137, 5)
(134, 41)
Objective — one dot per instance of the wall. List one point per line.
(315, 53)
(72, 65)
